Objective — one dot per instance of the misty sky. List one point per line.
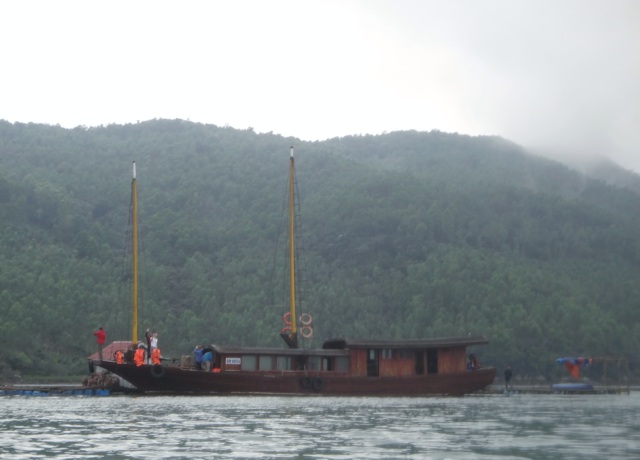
(560, 75)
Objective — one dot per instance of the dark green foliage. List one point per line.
(406, 235)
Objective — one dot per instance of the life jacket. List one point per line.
(119, 357)
(138, 357)
(155, 356)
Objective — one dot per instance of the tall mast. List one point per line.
(292, 262)
(290, 332)
(134, 250)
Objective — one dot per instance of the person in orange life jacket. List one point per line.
(138, 356)
(155, 356)
(100, 337)
(119, 357)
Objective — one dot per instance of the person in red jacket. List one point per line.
(100, 336)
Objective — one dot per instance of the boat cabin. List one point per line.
(279, 360)
(357, 358)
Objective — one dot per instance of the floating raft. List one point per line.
(41, 390)
(573, 388)
(558, 388)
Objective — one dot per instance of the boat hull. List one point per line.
(176, 380)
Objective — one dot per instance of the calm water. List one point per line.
(473, 427)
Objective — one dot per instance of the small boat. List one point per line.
(415, 367)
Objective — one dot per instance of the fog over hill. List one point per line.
(599, 167)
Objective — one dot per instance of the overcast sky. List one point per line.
(562, 75)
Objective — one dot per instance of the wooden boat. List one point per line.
(341, 367)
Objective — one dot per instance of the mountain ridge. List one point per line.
(407, 234)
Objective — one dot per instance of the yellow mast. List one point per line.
(134, 250)
(292, 272)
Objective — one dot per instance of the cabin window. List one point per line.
(301, 363)
(313, 363)
(404, 354)
(341, 364)
(387, 354)
(248, 363)
(265, 363)
(283, 363)
(372, 363)
(419, 355)
(432, 361)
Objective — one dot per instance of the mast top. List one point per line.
(291, 150)
(134, 169)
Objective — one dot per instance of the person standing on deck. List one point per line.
(138, 356)
(198, 354)
(207, 360)
(155, 357)
(147, 336)
(507, 378)
(100, 337)
(154, 342)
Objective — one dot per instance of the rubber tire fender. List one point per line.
(157, 370)
(318, 384)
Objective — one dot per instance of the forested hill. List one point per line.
(406, 235)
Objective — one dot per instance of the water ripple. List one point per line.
(481, 427)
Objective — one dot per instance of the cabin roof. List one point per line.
(223, 350)
(444, 342)
(339, 347)
(108, 352)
